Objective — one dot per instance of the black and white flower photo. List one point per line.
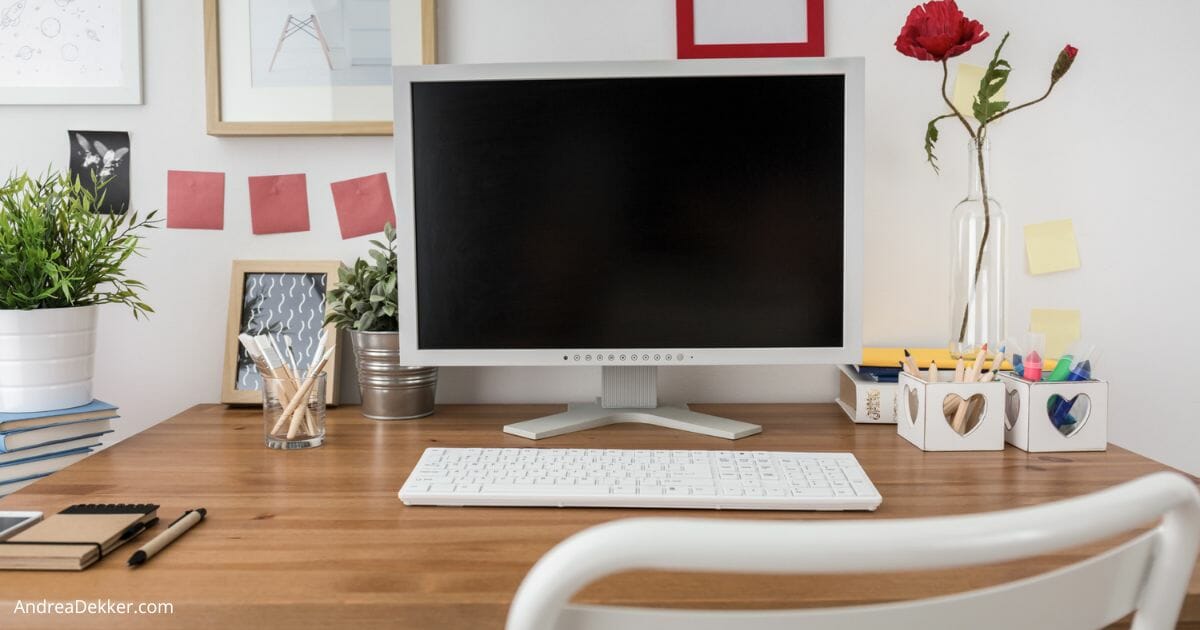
(101, 160)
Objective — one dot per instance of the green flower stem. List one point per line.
(978, 137)
(1035, 101)
(946, 97)
(987, 228)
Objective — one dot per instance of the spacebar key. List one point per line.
(545, 491)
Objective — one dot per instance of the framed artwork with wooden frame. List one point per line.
(707, 29)
(310, 67)
(286, 301)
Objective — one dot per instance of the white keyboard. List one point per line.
(722, 480)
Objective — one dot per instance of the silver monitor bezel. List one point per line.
(849, 352)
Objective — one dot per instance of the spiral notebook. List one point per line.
(77, 537)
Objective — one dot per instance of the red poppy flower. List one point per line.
(938, 30)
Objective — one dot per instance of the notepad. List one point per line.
(76, 537)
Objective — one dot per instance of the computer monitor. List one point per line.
(630, 215)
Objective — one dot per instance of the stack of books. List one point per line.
(36, 445)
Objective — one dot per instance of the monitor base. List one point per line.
(583, 416)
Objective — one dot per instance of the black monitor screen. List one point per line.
(689, 212)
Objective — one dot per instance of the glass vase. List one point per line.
(978, 261)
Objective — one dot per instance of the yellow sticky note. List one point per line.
(966, 86)
(1061, 326)
(1051, 247)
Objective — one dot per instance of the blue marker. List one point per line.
(1081, 372)
(1018, 365)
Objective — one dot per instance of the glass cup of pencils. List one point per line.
(294, 412)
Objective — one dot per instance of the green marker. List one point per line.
(1062, 369)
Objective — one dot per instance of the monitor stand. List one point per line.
(630, 394)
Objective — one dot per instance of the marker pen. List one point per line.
(1033, 367)
(1018, 365)
(1062, 369)
(1081, 372)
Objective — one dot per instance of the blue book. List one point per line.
(91, 411)
(47, 449)
(50, 434)
(37, 466)
(880, 374)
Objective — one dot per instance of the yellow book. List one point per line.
(891, 357)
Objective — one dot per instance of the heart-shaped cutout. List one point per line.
(1012, 408)
(964, 416)
(1068, 415)
(910, 395)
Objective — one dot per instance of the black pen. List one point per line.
(173, 531)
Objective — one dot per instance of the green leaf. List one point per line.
(931, 138)
(994, 79)
(984, 112)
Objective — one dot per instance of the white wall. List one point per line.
(1112, 149)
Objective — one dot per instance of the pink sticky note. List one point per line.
(364, 205)
(195, 200)
(279, 203)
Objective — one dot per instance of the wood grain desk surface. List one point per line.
(319, 538)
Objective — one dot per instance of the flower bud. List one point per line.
(1063, 63)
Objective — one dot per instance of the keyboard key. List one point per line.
(812, 492)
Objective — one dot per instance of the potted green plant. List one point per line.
(59, 260)
(364, 302)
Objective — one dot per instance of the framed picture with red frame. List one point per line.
(708, 29)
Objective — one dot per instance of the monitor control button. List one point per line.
(668, 357)
(658, 357)
(587, 358)
(622, 357)
(645, 357)
(611, 357)
(634, 357)
(679, 357)
(577, 357)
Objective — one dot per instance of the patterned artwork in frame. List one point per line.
(286, 307)
(284, 300)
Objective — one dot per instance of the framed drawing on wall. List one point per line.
(310, 67)
(284, 300)
(707, 29)
(70, 53)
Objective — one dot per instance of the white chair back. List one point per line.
(1148, 575)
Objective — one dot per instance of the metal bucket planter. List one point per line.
(47, 358)
(391, 391)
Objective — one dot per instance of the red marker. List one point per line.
(1033, 366)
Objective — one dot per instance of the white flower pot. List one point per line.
(46, 358)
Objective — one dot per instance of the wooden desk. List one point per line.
(319, 539)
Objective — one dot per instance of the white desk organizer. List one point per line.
(923, 421)
(1027, 418)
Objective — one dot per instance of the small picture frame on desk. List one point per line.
(282, 299)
